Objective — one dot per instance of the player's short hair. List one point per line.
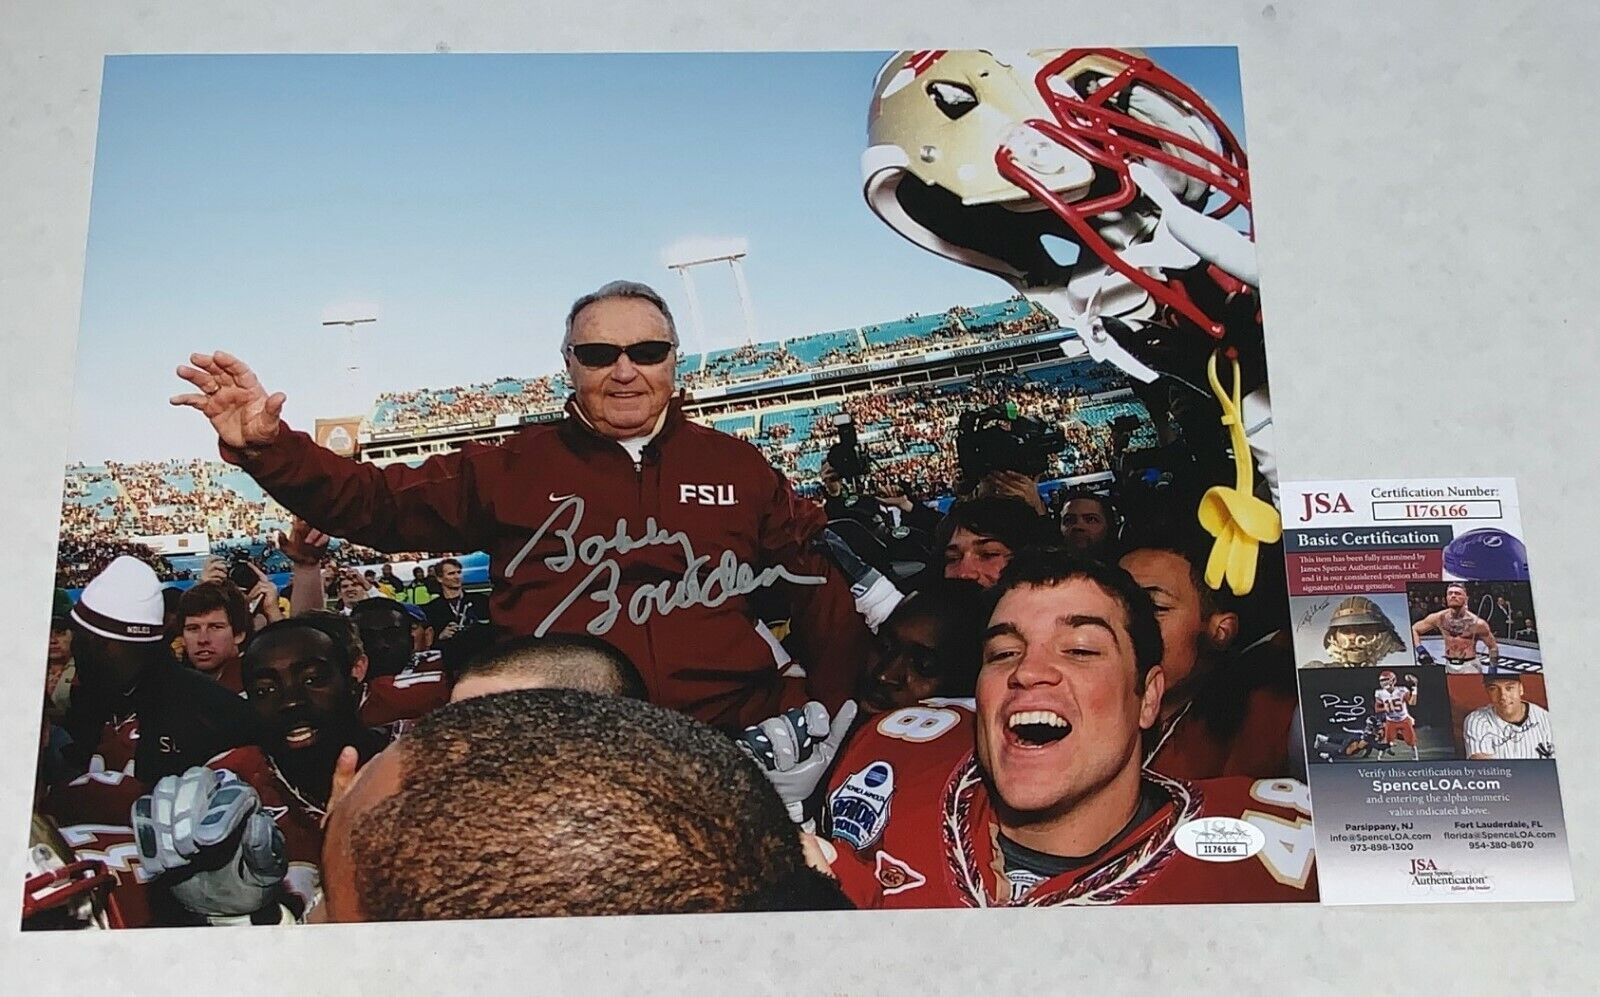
(207, 597)
(561, 661)
(547, 802)
(620, 289)
(452, 562)
(1008, 520)
(1490, 678)
(1195, 551)
(962, 607)
(1455, 585)
(338, 629)
(380, 602)
(1053, 566)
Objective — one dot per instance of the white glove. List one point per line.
(204, 832)
(796, 749)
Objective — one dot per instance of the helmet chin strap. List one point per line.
(1210, 239)
(1092, 335)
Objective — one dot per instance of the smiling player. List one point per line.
(1037, 797)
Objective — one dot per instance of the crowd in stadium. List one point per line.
(910, 434)
(233, 715)
(425, 408)
(434, 408)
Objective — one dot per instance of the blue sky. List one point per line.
(467, 199)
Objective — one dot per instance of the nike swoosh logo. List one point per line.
(560, 498)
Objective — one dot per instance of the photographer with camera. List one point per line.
(1002, 453)
(260, 594)
(849, 493)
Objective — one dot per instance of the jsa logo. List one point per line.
(1322, 502)
(706, 495)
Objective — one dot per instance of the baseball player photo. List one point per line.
(1502, 716)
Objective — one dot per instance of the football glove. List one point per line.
(796, 749)
(205, 835)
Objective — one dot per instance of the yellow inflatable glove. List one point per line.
(1240, 522)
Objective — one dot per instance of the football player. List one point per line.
(1037, 797)
(401, 683)
(541, 802)
(927, 647)
(1229, 702)
(555, 661)
(304, 687)
(1393, 703)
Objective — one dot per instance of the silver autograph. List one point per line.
(727, 579)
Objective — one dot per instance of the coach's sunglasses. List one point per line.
(599, 355)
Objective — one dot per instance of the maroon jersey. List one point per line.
(913, 826)
(299, 820)
(392, 703)
(106, 791)
(1188, 749)
(92, 814)
(661, 556)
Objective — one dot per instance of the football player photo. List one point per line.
(1377, 714)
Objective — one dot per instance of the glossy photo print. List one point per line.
(564, 485)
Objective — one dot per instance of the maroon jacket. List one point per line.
(581, 538)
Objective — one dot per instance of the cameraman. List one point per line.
(887, 501)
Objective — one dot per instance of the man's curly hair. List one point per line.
(559, 802)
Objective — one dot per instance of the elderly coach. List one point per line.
(623, 520)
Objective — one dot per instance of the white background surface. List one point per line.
(1425, 191)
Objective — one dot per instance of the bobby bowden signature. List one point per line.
(729, 578)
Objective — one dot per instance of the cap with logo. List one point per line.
(122, 603)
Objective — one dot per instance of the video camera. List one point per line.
(845, 457)
(999, 438)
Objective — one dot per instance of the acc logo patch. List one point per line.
(858, 810)
(895, 876)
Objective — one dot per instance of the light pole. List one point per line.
(352, 353)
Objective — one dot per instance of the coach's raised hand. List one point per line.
(240, 410)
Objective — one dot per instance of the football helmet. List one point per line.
(997, 160)
(61, 890)
(1386, 679)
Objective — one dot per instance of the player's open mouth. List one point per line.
(300, 737)
(1036, 728)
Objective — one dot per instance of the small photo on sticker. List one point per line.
(1474, 627)
(1503, 716)
(1396, 714)
(1350, 631)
